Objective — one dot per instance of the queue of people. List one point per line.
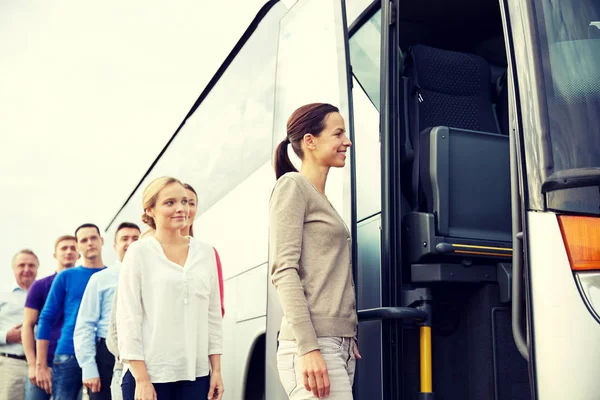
(151, 327)
(55, 329)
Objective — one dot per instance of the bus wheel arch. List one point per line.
(254, 387)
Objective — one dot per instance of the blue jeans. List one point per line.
(191, 390)
(66, 377)
(34, 392)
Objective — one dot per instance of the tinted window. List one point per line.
(570, 48)
(365, 54)
(365, 46)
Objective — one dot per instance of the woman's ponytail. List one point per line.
(283, 165)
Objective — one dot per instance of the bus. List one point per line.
(472, 191)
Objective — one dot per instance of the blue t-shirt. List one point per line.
(36, 298)
(65, 295)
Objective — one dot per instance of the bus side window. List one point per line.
(365, 60)
(365, 57)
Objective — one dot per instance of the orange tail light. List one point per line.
(582, 241)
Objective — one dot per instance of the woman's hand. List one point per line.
(356, 353)
(144, 390)
(314, 371)
(216, 386)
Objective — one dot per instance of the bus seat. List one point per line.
(461, 169)
(449, 89)
(464, 178)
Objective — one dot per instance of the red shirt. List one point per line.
(220, 275)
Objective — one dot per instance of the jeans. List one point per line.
(179, 390)
(338, 354)
(115, 386)
(34, 392)
(66, 377)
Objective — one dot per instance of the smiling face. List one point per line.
(192, 203)
(330, 147)
(25, 267)
(171, 210)
(123, 238)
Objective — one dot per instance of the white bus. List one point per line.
(472, 191)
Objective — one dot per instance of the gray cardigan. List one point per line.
(311, 264)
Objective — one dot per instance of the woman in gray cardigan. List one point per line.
(310, 260)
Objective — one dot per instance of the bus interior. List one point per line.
(455, 207)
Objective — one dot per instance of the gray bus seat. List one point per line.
(461, 175)
(465, 181)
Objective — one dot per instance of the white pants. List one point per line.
(115, 386)
(338, 354)
(13, 373)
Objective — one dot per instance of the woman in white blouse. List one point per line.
(168, 307)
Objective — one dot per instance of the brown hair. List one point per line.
(125, 225)
(86, 226)
(25, 251)
(151, 194)
(187, 186)
(62, 238)
(309, 118)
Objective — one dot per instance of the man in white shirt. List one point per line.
(13, 364)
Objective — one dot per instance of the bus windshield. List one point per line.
(569, 33)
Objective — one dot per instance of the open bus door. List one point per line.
(382, 304)
(446, 230)
(313, 65)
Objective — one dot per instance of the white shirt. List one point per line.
(11, 314)
(169, 316)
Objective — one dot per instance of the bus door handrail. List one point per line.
(517, 255)
(392, 313)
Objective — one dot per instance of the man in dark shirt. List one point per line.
(65, 252)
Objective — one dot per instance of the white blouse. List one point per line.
(169, 316)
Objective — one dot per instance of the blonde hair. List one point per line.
(63, 238)
(150, 196)
(147, 232)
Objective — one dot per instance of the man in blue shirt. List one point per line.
(91, 329)
(64, 380)
(13, 367)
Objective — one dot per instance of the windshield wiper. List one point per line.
(572, 178)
